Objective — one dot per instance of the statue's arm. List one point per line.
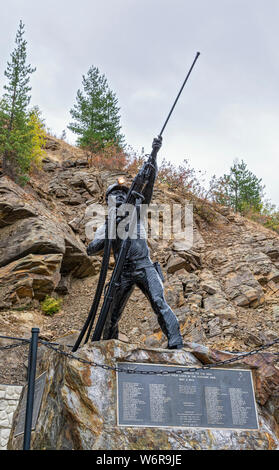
(153, 172)
(98, 243)
(148, 189)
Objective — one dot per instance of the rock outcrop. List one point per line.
(36, 247)
(33, 277)
(224, 291)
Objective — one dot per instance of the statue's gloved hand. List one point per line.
(157, 143)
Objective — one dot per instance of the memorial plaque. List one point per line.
(212, 398)
(38, 395)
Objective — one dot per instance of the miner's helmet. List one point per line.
(119, 185)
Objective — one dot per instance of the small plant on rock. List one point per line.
(50, 305)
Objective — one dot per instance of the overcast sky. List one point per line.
(230, 106)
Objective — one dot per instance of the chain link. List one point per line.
(237, 357)
(15, 345)
(162, 372)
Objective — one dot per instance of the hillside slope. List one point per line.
(224, 291)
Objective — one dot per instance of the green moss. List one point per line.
(50, 305)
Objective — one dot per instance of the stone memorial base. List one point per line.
(79, 405)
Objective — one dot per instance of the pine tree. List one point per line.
(240, 189)
(96, 114)
(63, 135)
(15, 141)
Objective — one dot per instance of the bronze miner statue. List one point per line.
(133, 266)
(138, 269)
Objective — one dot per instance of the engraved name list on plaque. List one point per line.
(212, 398)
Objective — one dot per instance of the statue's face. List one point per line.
(117, 197)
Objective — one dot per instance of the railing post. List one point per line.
(32, 362)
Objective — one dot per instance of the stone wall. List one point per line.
(9, 397)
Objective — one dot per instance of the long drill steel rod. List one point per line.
(177, 98)
(100, 324)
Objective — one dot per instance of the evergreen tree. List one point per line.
(96, 114)
(15, 139)
(63, 135)
(240, 189)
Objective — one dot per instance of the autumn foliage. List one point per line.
(110, 158)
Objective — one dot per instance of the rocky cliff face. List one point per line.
(224, 290)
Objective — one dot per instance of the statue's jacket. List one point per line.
(138, 269)
(138, 255)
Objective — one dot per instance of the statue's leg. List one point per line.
(151, 285)
(121, 297)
